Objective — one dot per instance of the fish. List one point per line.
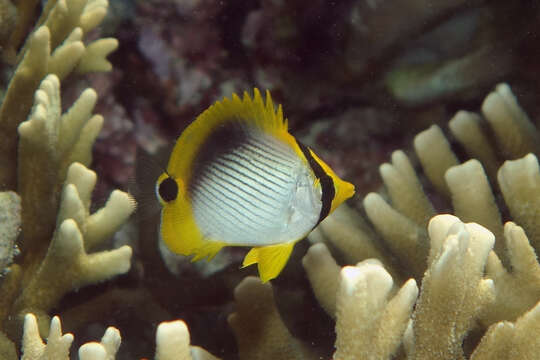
(237, 177)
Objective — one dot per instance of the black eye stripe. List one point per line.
(168, 189)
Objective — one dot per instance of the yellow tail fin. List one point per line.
(271, 259)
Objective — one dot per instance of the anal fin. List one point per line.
(270, 259)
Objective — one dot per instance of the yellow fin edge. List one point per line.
(251, 110)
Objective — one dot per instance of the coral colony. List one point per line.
(419, 282)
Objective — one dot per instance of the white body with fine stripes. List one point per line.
(257, 194)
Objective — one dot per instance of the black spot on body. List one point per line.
(168, 189)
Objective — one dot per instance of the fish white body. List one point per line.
(255, 194)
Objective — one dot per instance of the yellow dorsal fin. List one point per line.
(251, 111)
(270, 259)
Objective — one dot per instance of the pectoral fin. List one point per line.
(270, 259)
(207, 249)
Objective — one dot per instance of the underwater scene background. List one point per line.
(426, 107)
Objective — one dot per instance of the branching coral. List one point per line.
(375, 319)
(370, 322)
(459, 288)
(172, 343)
(260, 331)
(47, 165)
(401, 221)
(465, 285)
(453, 286)
(55, 47)
(52, 280)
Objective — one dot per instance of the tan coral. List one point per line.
(106, 349)
(467, 128)
(403, 236)
(57, 346)
(46, 165)
(67, 247)
(507, 340)
(370, 323)
(515, 133)
(466, 285)
(78, 268)
(259, 330)
(473, 199)
(465, 184)
(49, 143)
(435, 155)
(516, 289)
(323, 274)
(347, 231)
(172, 343)
(370, 318)
(453, 289)
(54, 47)
(519, 181)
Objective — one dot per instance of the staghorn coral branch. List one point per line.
(172, 343)
(514, 132)
(33, 347)
(323, 274)
(519, 181)
(95, 56)
(473, 200)
(405, 189)
(452, 286)
(65, 57)
(60, 30)
(49, 143)
(78, 269)
(93, 14)
(401, 234)
(436, 156)
(518, 289)
(18, 101)
(258, 328)
(369, 324)
(104, 350)
(466, 127)
(506, 340)
(51, 281)
(347, 231)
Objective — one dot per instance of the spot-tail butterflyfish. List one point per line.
(237, 177)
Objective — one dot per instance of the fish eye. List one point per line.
(168, 189)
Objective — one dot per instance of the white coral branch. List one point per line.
(453, 287)
(57, 346)
(67, 248)
(370, 324)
